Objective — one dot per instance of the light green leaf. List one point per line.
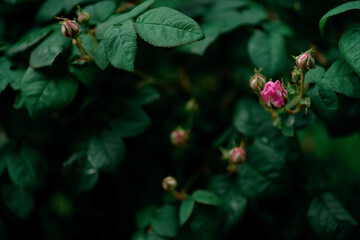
(267, 51)
(343, 79)
(106, 151)
(47, 51)
(166, 27)
(349, 46)
(323, 98)
(79, 172)
(186, 209)
(29, 39)
(44, 93)
(328, 218)
(206, 197)
(314, 75)
(120, 46)
(27, 167)
(164, 221)
(18, 200)
(101, 59)
(335, 11)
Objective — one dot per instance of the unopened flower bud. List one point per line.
(70, 28)
(257, 81)
(238, 155)
(169, 183)
(83, 17)
(179, 137)
(274, 95)
(296, 74)
(305, 61)
(191, 106)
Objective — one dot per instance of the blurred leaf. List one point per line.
(27, 167)
(335, 11)
(166, 27)
(101, 59)
(343, 79)
(314, 75)
(120, 46)
(5, 151)
(278, 27)
(146, 95)
(8, 74)
(164, 221)
(70, 4)
(186, 209)
(106, 151)
(43, 94)
(349, 46)
(86, 73)
(100, 11)
(49, 10)
(79, 173)
(267, 51)
(328, 218)
(144, 217)
(47, 51)
(206, 197)
(205, 223)
(18, 200)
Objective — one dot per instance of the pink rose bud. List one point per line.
(305, 61)
(83, 17)
(169, 183)
(238, 155)
(179, 137)
(70, 28)
(274, 95)
(257, 81)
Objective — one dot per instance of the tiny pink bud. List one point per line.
(83, 17)
(70, 28)
(169, 183)
(257, 81)
(305, 61)
(191, 106)
(238, 155)
(274, 95)
(179, 137)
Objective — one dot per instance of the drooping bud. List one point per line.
(70, 28)
(191, 106)
(83, 17)
(296, 74)
(169, 183)
(257, 81)
(274, 95)
(179, 137)
(238, 155)
(305, 61)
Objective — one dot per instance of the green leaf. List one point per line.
(144, 217)
(166, 27)
(70, 4)
(9, 73)
(27, 167)
(101, 59)
(5, 150)
(146, 95)
(79, 173)
(106, 151)
(206, 197)
(323, 98)
(47, 51)
(131, 120)
(314, 75)
(263, 173)
(343, 79)
(335, 11)
(86, 73)
(136, 11)
(18, 200)
(100, 11)
(186, 209)
(267, 51)
(205, 223)
(29, 39)
(120, 46)
(44, 93)
(328, 218)
(49, 10)
(349, 46)
(164, 221)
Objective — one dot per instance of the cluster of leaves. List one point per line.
(84, 144)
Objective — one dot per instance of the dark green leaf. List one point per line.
(43, 93)
(205, 223)
(100, 11)
(267, 51)
(18, 200)
(335, 11)
(343, 79)
(146, 95)
(70, 4)
(101, 59)
(349, 46)
(106, 151)
(86, 73)
(166, 27)
(27, 167)
(120, 46)
(9, 73)
(164, 221)
(79, 173)
(186, 209)
(49, 10)
(5, 150)
(47, 51)
(144, 217)
(315, 75)
(206, 197)
(328, 218)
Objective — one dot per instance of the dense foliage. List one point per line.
(92, 121)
